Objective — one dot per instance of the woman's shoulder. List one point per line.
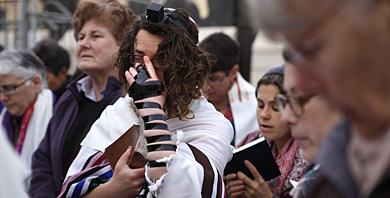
(250, 137)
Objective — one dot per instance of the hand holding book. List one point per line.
(240, 185)
(259, 154)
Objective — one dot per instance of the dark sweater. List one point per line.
(47, 161)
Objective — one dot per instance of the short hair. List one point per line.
(21, 63)
(53, 56)
(185, 65)
(115, 16)
(223, 51)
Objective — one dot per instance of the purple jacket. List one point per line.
(47, 167)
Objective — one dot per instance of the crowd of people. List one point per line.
(324, 113)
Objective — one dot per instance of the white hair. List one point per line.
(21, 63)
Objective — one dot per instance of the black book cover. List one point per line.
(259, 154)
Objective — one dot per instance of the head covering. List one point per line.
(275, 70)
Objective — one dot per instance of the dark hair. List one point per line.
(53, 56)
(272, 79)
(115, 16)
(223, 51)
(185, 65)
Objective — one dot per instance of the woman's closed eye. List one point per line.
(274, 106)
(311, 49)
(260, 104)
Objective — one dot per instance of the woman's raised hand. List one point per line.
(149, 68)
(130, 75)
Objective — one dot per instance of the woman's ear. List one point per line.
(233, 73)
(36, 82)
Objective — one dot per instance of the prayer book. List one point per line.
(117, 148)
(259, 154)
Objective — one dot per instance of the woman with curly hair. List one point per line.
(187, 139)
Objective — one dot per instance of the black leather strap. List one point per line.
(145, 90)
(153, 117)
(144, 105)
(157, 164)
(161, 126)
(140, 96)
(161, 147)
(142, 75)
(158, 138)
(145, 87)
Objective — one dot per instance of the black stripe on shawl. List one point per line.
(208, 179)
(88, 160)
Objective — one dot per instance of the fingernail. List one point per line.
(146, 58)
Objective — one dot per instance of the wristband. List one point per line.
(161, 147)
(158, 138)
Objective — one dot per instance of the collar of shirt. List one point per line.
(85, 85)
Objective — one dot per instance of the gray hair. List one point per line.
(275, 17)
(21, 63)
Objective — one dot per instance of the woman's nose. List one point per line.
(264, 114)
(288, 117)
(85, 43)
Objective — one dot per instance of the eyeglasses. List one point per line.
(134, 59)
(295, 102)
(213, 79)
(9, 90)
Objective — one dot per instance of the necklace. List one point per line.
(223, 108)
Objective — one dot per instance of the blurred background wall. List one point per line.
(24, 22)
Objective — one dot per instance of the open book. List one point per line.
(259, 154)
(117, 148)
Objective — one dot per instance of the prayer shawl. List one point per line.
(202, 152)
(243, 104)
(291, 164)
(43, 110)
(13, 172)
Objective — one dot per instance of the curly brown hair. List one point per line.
(185, 66)
(115, 16)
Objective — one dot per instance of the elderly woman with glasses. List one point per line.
(98, 27)
(310, 118)
(284, 148)
(340, 49)
(28, 103)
